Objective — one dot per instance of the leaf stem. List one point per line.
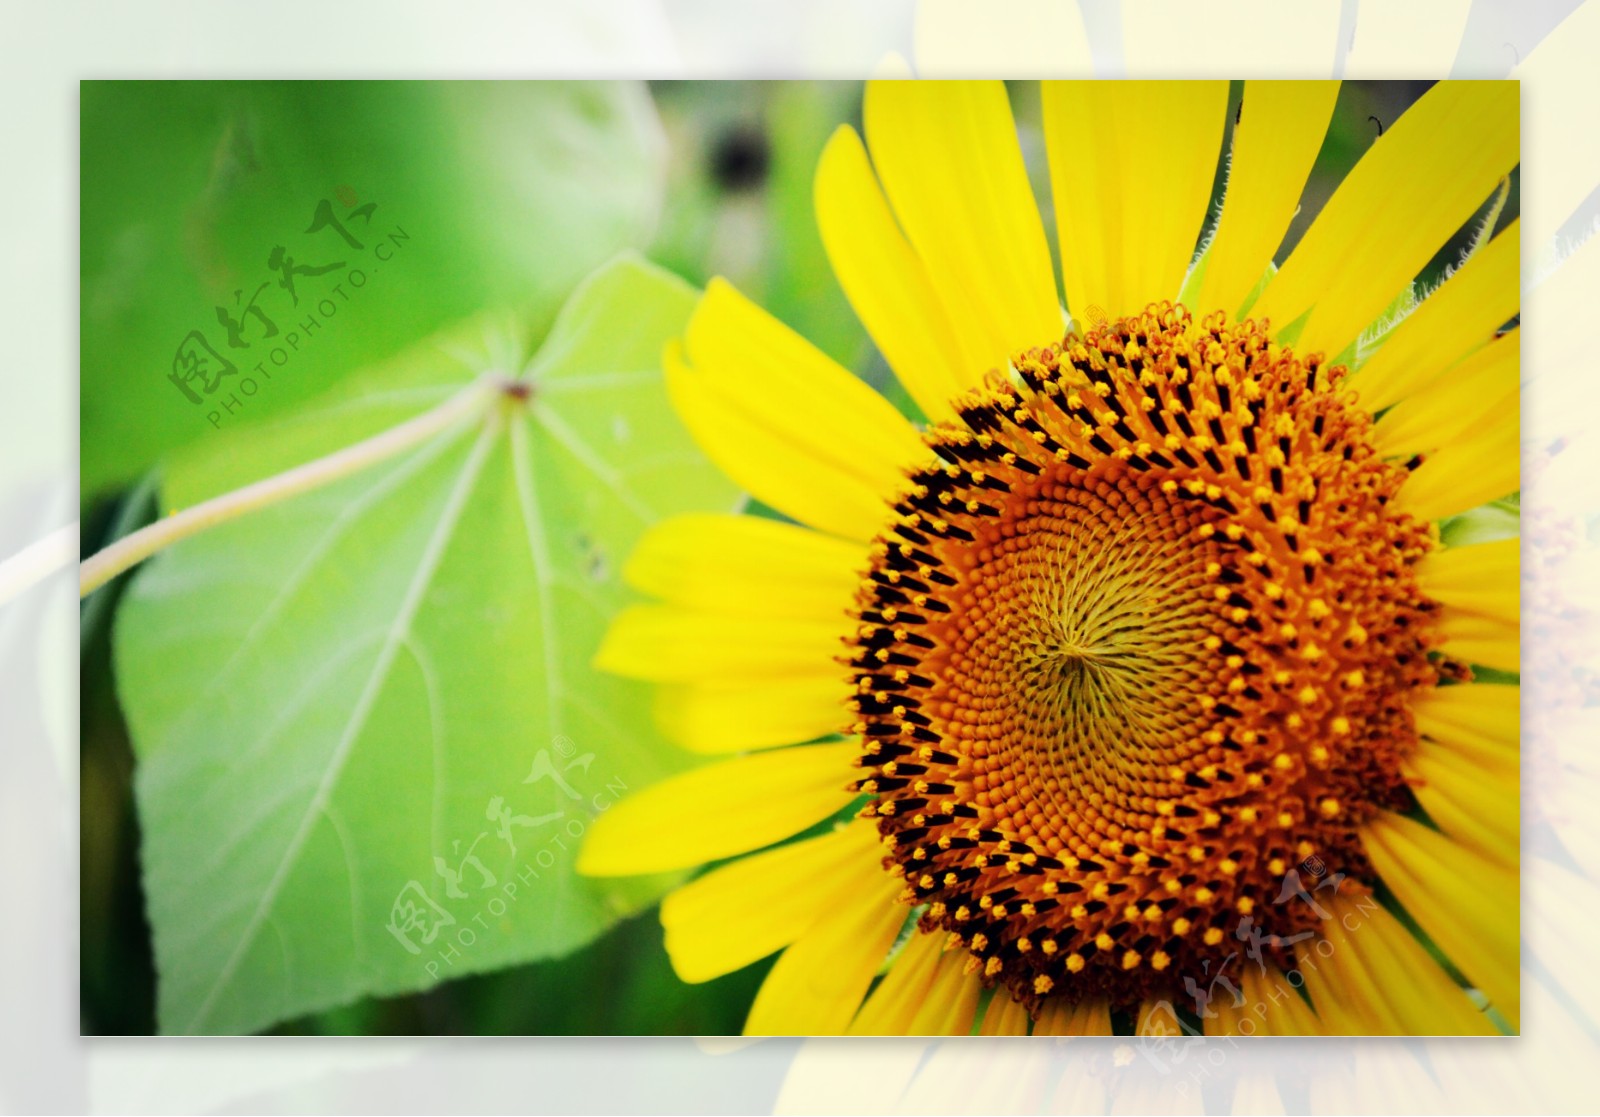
(135, 510)
(133, 549)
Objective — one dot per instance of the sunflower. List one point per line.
(1139, 687)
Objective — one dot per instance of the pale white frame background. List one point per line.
(46, 49)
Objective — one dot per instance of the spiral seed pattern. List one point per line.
(1134, 653)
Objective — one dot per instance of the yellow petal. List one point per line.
(1466, 902)
(717, 717)
(1473, 797)
(895, 1001)
(817, 984)
(1268, 1005)
(1463, 475)
(719, 810)
(1156, 1018)
(1469, 400)
(1417, 185)
(664, 643)
(885, 280)
(924, 993)
(1367, 975)
(1482, 578)
(1089, 1017)
(1131, 168)
(760, 904)
(1005, 1016)
(785, 422)
(747, 564)
(1458, 318)
(1480, 589)
(1346, 996)
(1280, 130)
(951, 1006)
(947, 155)
(1481, 717)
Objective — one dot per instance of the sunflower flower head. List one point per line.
(1141, 639)
(1141, 676)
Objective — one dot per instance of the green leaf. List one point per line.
(1196, 276)
(799, 286)
(1500, 519)
(1371, 339)
(334, 700)
(483, 194)
(1261, 285)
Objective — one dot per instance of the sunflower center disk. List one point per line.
(1135, 657)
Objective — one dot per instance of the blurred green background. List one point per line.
(509, 194)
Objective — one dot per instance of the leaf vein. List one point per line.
(432, 553)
